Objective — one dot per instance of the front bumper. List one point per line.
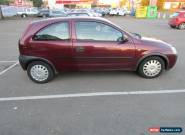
(172, 60)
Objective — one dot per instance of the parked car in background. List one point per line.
(73, 14)
(57, 13)
(91, 12)
(178, 20)
(43, 13)
(117, 11)
(28, 12)
(85, 43)
(9, 11)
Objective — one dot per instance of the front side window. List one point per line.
(59, 31)
(97, 31)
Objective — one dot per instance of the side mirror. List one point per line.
(35, 37)
(137, 35)
(123, 39)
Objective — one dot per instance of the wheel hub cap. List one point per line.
(39, 72)
(152, 68)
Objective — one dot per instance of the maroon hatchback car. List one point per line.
(54, 45)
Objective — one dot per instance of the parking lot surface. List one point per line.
(51, 110)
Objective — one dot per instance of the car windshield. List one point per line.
(175, 14)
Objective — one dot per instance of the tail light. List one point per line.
(22, 47)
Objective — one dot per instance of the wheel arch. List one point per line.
(163, 57)
(26, 60)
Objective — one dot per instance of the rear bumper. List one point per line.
(23, 60)
(172, 24)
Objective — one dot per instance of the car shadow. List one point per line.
(95, 74)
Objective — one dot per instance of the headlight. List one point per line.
(174, 50)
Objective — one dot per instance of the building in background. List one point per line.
(69, 3)
(20, 3)
(162, 5)
(112, 3)
(170, 5)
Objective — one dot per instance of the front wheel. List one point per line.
(40, 72)
(151, 67)
(182, 26)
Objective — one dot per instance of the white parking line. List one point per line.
(10, 61)
(96, 94)
(10, 67)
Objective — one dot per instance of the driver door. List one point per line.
(99, 46)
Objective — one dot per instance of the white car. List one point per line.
(118, 11)
(28, 12)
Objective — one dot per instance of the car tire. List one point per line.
(40, 72)
(182, 26)
(172, 26)
(44, 16)
(151, 67)
(23, 15)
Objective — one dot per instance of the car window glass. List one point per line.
(96, 31)
(56, 12)
(80, 14)
(59, 31)
(175, 14)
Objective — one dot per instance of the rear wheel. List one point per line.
(182, 26)
(40, 72)
(151, 67)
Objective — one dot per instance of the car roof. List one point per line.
(57, 19)
(181, 11)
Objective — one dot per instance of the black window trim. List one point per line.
(45, 27)
(105, 23)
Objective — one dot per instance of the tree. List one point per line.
(1, 14)
(4, 2)
(37, 3)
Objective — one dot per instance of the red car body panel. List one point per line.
(74, 54)
(176, 21)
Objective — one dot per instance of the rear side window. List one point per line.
(58, 31)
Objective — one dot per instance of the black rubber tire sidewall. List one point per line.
(173, 27)
(140, 68)
(50, 70)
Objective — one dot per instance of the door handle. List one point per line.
(79, 49)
